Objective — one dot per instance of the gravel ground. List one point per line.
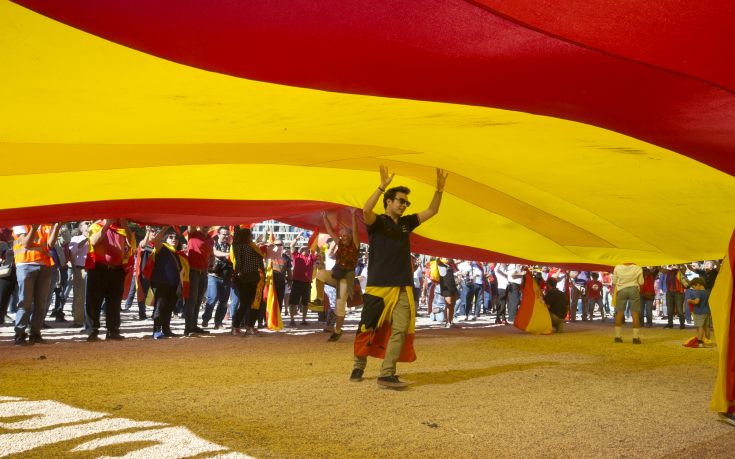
(481, 390)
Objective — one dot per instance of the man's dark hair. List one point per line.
(594, 276)
(390, 193)
(551, 282)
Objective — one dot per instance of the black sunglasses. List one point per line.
(403, 202)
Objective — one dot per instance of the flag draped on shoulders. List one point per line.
(183, 263)
(96, 227)
(722, 305)
(533, 314)
(374, 329)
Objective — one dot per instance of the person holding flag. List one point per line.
(34, 267)
(111, 244)
(275, 281)
(342, 275)
(388, 317)
(199, 251)
(303, 268)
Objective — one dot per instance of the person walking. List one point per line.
(389, 313)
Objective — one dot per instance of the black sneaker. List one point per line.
(392, 382)
(682, 327)
(201, 331)
(21, 339)
(618, 339)
(114, 336)
(94, 336)
(335, 336)
(356, 375)
(37, 339)
(668, 326)
(636, 341)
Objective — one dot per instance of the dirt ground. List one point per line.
(480, 391)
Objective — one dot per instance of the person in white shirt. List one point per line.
(501, 305)
(515, 277)
(78, 248)
(627, 279)
(472, 274)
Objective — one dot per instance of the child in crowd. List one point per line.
(593, 288)
(698, 298)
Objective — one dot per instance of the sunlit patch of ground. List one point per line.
(480, 391)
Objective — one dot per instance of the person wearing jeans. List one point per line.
(675, 279)
(199, 247)
(34, 267)
(218, 280)
(513, 293)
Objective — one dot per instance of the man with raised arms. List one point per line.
(388, 318)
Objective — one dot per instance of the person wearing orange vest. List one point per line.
(111, 246)
(34, 267)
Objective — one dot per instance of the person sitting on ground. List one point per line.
(342, 275)
(698, 297)
(557, 303)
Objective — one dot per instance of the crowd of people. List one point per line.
(218, 271)
(43, 265)
(224, 269)
(463, 289)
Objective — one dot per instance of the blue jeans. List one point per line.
(473, 299)
(218, 292)
(34, 284)
(647, 310)
(462, 310)
(675, 305)
(514, 300)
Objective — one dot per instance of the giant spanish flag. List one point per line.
(576, 133)
(722, 305)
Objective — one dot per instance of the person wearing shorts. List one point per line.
(628, 279)
(342, 276)
(698, 297)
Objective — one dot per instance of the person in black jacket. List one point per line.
(556, 301)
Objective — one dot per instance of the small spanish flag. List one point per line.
(313, 243)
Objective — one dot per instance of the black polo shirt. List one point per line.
(389, 259)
